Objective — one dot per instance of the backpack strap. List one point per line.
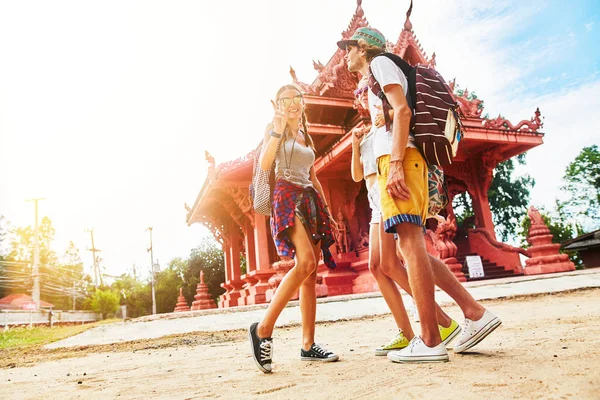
(377, 90)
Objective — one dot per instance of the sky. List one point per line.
(106, 108)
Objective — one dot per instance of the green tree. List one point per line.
(167, 284)
(22, 246)
(105, 302)
(508, 197)
(60, 279)
(66, 281)
(136, 295)
(209, 258)
(582, 189)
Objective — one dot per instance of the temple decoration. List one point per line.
(217, 228)
(236, 214)
(211, 163)
(358, 21)
(532, 125)
(470, 108)
(203, 298)
(342, 241)
(545, 256)
(407, 24)
(440, 243)
(181, 305)
(432, 63)
(241, 197)
(303, 86)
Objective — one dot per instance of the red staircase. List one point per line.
(491, 270)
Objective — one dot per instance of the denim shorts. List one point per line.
(375, 203)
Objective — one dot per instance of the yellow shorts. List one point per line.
(414, 210)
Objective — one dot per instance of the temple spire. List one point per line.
(407, 24)
(358, 21)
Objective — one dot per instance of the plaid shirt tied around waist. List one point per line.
(287, 198)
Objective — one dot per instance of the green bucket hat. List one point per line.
(370, 35)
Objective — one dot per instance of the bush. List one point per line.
(105, 302)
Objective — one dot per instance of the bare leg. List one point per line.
(420, 275)
(445, 279)
(308, 304)
(305, 266)
(392, 266)
(387, 286)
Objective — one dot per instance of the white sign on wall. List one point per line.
(475, 266)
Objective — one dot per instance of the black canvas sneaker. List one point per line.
(262, 349)
(317, 353)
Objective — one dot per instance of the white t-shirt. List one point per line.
(386, 73)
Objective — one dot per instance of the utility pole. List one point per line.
(151, 251)
(35, 273)
(95, 259)
(73, 295)
(134, 275)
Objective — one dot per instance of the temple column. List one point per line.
(261, 242)
(481, 207)
(226, 285)
(478, 187)
(258, 277)
(250, 249)
(233, 282)
(234, 256)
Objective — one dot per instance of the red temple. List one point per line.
(224, 206)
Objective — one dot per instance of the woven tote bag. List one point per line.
(263, 183)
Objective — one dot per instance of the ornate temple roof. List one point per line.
(332, 111)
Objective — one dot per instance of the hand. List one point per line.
(280, 118)
(379, 119)
(357, 135)
(396, 186)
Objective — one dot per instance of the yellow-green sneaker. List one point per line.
(449, 333)
(397, 343)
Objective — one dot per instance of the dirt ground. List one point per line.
(547, 348)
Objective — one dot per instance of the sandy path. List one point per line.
(548, 347)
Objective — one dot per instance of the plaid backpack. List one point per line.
(435, 123)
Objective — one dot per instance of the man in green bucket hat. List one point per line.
(402, 179)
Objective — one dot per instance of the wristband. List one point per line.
(275, 134)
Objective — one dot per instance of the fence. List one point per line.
(45, 317)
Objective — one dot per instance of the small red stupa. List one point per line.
(181, 305)
(203, 300)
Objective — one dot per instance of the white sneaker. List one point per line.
(474, 332)
(419, 352)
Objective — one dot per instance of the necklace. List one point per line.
(287, 174)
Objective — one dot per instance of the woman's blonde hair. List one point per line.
(370, 50)
(287, 131)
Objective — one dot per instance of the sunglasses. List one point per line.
(286, 101)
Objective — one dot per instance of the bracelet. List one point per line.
(275, 134)
(396, 160)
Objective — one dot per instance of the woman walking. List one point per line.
(301, 226)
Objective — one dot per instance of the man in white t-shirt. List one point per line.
(402, 176)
